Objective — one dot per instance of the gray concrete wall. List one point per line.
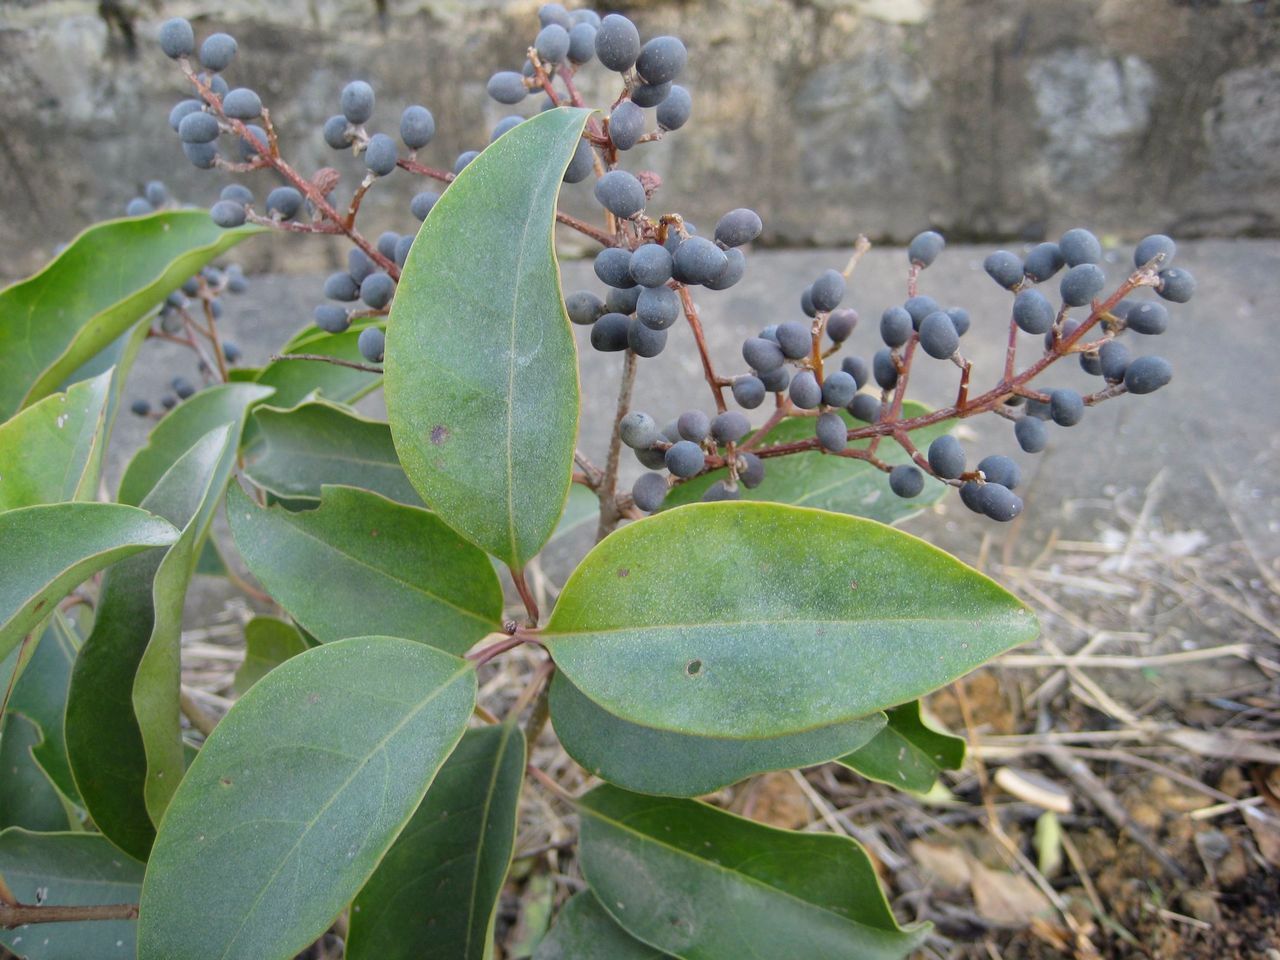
(985, 118)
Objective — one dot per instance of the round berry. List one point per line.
(638, 430)
(1033, 312)
(505, 125)
(720, 490)
(626, 125)
(176, 37)
(1147, 374)
(998, 502)
(946, 457)
(1080, 246)
(959, 319)
(925, 247)
(238, 193)
(750, 470)
(652, 459)
(730, 427)
(582, 43)
(381, 154)
(1081, 284)
(736, 266)
(1176, 285)
(698, 260)
(1150, 317)
(242, 104)
(674, 110)
(422, 203)
(617, 42)
(552, 43)
(920, 307)
(644, 340)
(1004, 268)
(584, 307)
(620, 193)
(198, 128)
(1044, 260)
(685, 458)
(377, 289)
(806, 302)
(906, 481)
(693, 425)
(623, 299)
(661, 60)
(650, 265)
(611, 333)
(507, 87)
(805, 391)
(417, 127)
(182, 387)
(181, 109)
(139, 207)
(227, 213)
(372, 343)
(284, 202)
(337, 132)
(738, 227)
(550, 13)
(248, 148)
(795, 339)
(748, 391)
(1091, 363)
(140, 407)
(841, 324)
(657, 307)
(856, 367)
(827, 291)
(884, 369)
(650, 94)
(359, 265)
(1032, 435)
(895, 326)
(762, 355)
(582, 165)
(970, 495)
(1114, 357)
(464, 160)
(340, 286)
(217, 51)
(838, 389)
(648, 492)
(357, 102)
(865, 407)
(1000, 469)
(832, 432)
(613, 267)
(331, 318)
(1149, 248)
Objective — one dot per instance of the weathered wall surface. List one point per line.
(985, 118)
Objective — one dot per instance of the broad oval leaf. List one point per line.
(318, 443)
(51, 549)
(703, 884)
(481, 369)
(72, 869)
(110, 746)
(825, 482)
(361, 562)
(110, 276)
(908, 753)
(183, 426)
(52, 451)
(585, 931)
(439, 883)
(268, 642)
(646, 760)
(297, 795)
(758, 619)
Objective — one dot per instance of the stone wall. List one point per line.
(984, 118)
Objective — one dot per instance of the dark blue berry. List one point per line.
(620, 193)
(748, 391)
(176, 37)
(1081, 284)
(648, 492)
(738, 227)
(613, 267)
(827, 291)
(1033, 312)
(673, 111)
(372, 343)
(1000, 469)
(1147, 374)
(1149, 248)
(1176, 285)
(357, 102)
(584, 307)
(946, 457)
(805, 391)
(841, 324)
(1031, 434)
(685, 458)
(906, 480)
(895, 326)
(884, 369)
(1044, 260)
(832, 432)
(1004, 268)
(729, 427)
(925, 247)
(611, 333)
(661, 60)
(417, 127)
(644, 339)
(838, 389)
(617, 42)
(795, 339)
(865, 407)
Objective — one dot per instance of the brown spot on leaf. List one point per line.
(374, 534)
(853, 584)
(313, 698)
(624, 572)
(225, 781)
(40, 606)
(439, 434)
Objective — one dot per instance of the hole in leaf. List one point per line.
(693, 668)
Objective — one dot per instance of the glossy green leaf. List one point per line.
(140, 609)
(703, 884)
(28, 797)
(819, 480)
(71, 869)
(119, 356)
(908, 753)
(296, 797)
(268, 642)
(51, 549)
(439, 883)
(108, 278)
(481, 369)
(40, 695)
(361, 562)
(296, 380)
(183, 426)
(318, 443)
(648, 760)
(584, 931)
(52, 451)
(758, 620)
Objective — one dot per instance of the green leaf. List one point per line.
(297, 795)
(111, 275)
(481, 369)
(439, 883)
(670, 764)
(119, 356)
(40, 695)
(908, 753)
(183, 426)
(703, 884)
(318, 443)
(361, 562)
(585, 931)
(757, 620)
(296, 380)
(140, 610)
(71, 869)
(268, 643)
(51, 549)
(52, 451)
(815, 479)
(28, 797)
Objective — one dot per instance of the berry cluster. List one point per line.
(649, 263)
